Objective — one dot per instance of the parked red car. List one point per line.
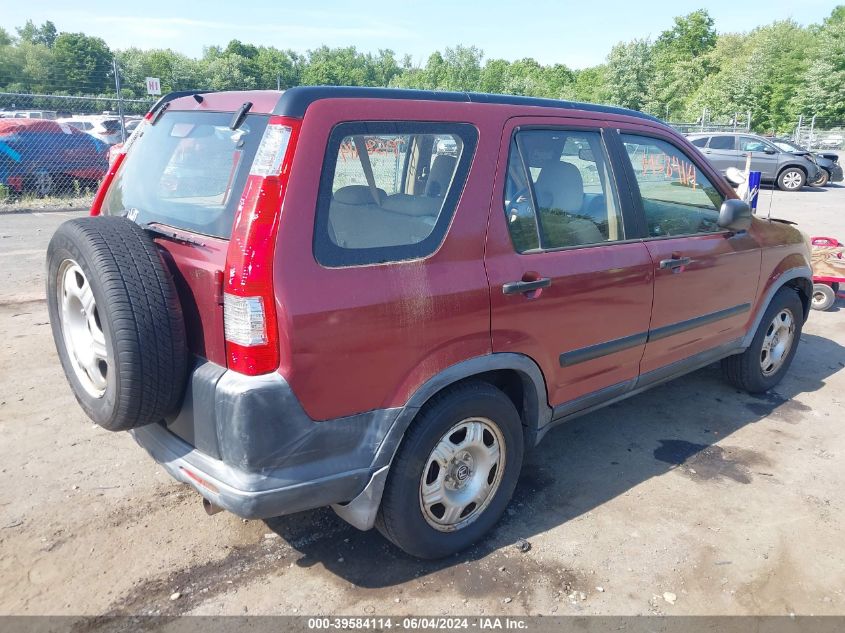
(380, 299)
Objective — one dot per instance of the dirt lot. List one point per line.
(730, 502)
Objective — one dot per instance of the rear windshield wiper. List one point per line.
(240, 115)
(155, 229)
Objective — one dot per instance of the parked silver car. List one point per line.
(789, 171)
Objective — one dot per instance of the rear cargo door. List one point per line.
(183, 179)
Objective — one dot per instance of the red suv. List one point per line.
(380, 299)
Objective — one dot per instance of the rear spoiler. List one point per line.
(178, 94)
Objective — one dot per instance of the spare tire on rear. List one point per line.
(117, 322)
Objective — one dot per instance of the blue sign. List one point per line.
(753, 189)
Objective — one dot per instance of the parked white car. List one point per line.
(834, 141)
(106, 129)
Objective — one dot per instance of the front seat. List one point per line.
(560, 186)
(560, 196)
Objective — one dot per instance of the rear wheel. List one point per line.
(767, 359)
(41, 183)
(454, 473)
(791, 179)
(823, 178)
(824, 297)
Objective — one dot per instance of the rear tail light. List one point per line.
(249, 313)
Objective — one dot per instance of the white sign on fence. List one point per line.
(153, 86)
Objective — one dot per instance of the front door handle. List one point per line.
(675, 262)
(516, 287)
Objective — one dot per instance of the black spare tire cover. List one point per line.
(117, 322)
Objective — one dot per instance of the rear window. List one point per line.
(722, 142)
(187, 171)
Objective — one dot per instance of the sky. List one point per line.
(576, 34)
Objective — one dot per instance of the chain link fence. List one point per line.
(819, 133)
(54, 149)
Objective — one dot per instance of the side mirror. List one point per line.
(769, 150)
(735, 215)
(735, 176)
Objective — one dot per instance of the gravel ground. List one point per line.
(691, 498)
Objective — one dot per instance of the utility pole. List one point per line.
(119, 99)
(278, 82)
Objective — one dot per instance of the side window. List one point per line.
(388, 190)
(700, 142)
(749, 144)
(558, 191)
(722, 142)
(677, 197)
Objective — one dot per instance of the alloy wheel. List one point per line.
(82, 329)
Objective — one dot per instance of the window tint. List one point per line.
(677, 197)
(699, 142)
(558, 191)
(388, 190)
(750, 144)
(722, 142)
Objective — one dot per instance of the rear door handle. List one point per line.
(516, 287)
(675, 262)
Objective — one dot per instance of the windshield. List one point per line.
(187, 171)
(786, 146)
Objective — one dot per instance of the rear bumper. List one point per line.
(248, 495)
(245, 444)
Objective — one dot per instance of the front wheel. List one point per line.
(822, 179)
(767, 359)
(454, 473)
(791, 179)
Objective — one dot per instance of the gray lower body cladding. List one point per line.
(258, 451)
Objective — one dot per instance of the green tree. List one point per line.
(589, 85)
(45, 34)
(81, 64)
(680, 62)
(629, 74)
(276, 68)
(822, 91)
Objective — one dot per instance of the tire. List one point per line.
(746, 370)
(41, 183)
(485, 413)
(824, 297)
(791, 179)
(116, 321)
(823, 179)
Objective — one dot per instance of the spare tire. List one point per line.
(117, 322)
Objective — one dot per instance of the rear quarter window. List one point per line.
(388, 190)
